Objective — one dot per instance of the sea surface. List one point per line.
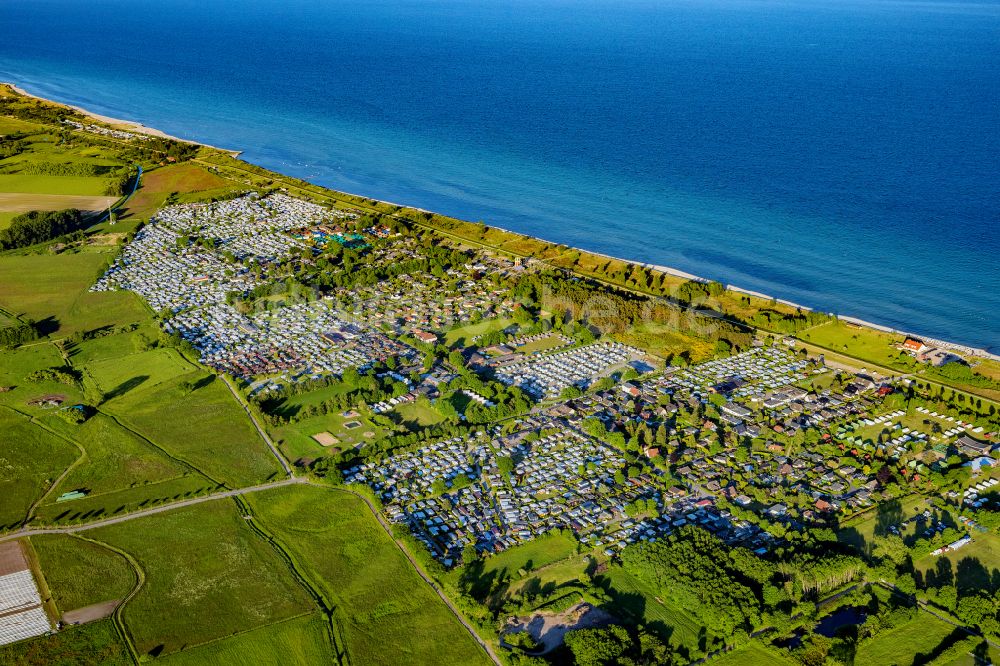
(841, 154)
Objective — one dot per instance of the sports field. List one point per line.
(385, 613)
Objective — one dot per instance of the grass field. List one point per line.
(301, 640)
(54, 287)
(157, 184)
(116, 460)
(121, 501)
(662, 340)
(634, 598)
(541, 344)
(94, 643)
(141, 371)
(207, 577)
(462, 336)
(974, 565)
(385, 613)
(205, 427)
(756, 654)
(30, 460)
(859, 532)
(418, 415)
(902, 644)
(74, 185)
(81, 573)
(534, 554)
(296, 438)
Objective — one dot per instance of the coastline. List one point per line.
(117, 123)
(139, 128)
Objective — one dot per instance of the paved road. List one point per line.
(28, 532)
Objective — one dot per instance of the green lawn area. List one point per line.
(301, 640)
(208, 576)
(864, 343)
(385, 613)
(973, 564)
(205, 427)
(541, 344)
(55, 286)
(546, 549)
(92, 185)
(31, 458)
(93, 643)
(295, 439)
(80, 573)
(418, 414)
(117, 459)
(462, 335)
(902, 644)
(756, 654)
(859, 532)
(141, 371)
(633, 597)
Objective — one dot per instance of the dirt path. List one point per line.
(28, 532)
(91, 613)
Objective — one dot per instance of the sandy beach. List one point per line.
(133, 126)
(118, 123)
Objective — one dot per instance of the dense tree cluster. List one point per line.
(39, 226)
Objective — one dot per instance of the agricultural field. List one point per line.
(385, 613)
(207, 577)
(202, 425)
(301, 640)
(80, 573)
(18, 202)
(93, 643)
(31, 458)
(116, 460)
(905, 644)
(52, 288)
(89, 186)
(160, 183)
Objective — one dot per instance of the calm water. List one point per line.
(841, 154)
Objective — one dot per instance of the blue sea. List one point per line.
(842, 154)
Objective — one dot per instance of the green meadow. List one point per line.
(81, 573)
(301, 640)
(31, 458)
(384, 612)
(207, 577)
(93, 643)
